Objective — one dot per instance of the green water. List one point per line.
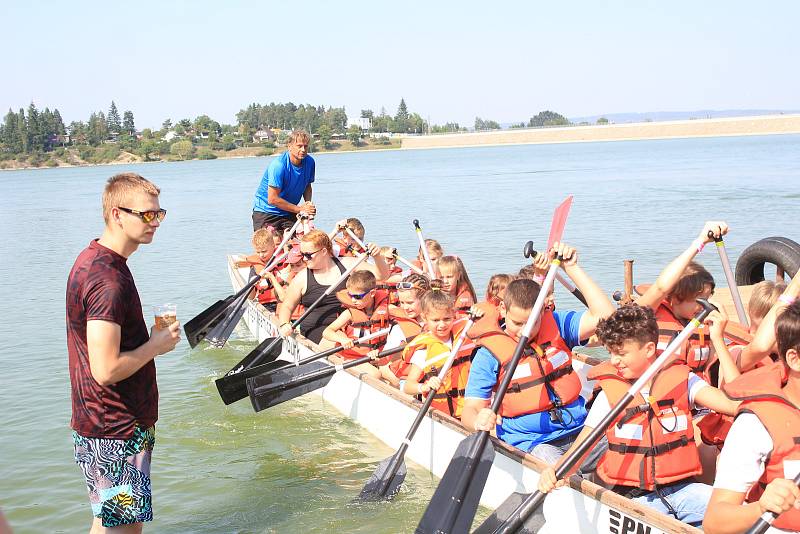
(297, 467)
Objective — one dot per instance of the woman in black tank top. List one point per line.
(322, 270)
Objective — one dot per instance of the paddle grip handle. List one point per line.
(528, 250)
(763, 523)
(415, 222)
(533, 501)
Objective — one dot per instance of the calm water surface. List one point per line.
(295, 469)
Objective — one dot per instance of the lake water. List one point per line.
(295, 469)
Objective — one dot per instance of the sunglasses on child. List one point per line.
(358, 296)
(408, 285)
(146, 216)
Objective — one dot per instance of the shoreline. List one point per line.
(639, 131)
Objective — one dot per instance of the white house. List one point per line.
(170, 135)
(362, 122)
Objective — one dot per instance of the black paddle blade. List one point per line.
(372, 489)
(445, 503)
(532, 524)
(280, 386)
(197, 329)
(219, 335)
(232, 386)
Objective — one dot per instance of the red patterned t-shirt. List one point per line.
(100, 287)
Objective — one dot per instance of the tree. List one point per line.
(547, 118)
(147, 147)
(97, 129)
(367, 114)
(60, 130)
(127, 123)
(354, 135)
(35, 134)
(166, 125)
(481, 124)
(602, 120)
(183, 149)
(335, 119)
(22, 131)
(401, 118)
(324, 134)
(113, 122)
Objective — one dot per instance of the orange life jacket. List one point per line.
(463, 302)
(346, 250)
(449, 398)
(696, 352)
(652, 441)
(761, 394)
(545, 368)
(411, 329)
(361, 325)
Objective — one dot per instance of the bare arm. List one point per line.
(293, 295)
(728, 371)
(672, 272)
(334, 331)
(715, 399)
(108, 365)
(764, 339)
(307, 193)
(274, 199)
(469, 413)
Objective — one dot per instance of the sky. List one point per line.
(450, 61)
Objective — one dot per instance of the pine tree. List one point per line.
(113, 122)
(127, 123)
(402, 111)
(10, 136)
(22, 131)
(34, 132)
(59, 123)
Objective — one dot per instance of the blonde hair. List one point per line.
(299, 135)
(263, 237)
(455, 263)
(433, 246)
(497, 284)
(120, 187)
(436, 299)
(356, 227)
(764, 295)
(319, 238)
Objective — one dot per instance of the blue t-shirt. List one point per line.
(291, 180)
(527, 431)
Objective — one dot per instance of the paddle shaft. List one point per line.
(322, 373)
(534, 500)
(397, 459)
(408, 264)
(334, 350)
(424, 249)
(734, 289)
(766, 519)
(302, 318)
(476, 451)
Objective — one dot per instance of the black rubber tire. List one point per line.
(779, 251)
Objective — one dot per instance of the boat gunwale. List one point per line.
(583, 486)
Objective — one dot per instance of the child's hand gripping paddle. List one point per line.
(765, 521)
(424, 249)
(515, 520)
(529, 252)
(201, 324)
(389, 475)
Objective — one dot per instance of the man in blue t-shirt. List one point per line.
(285, 183)
(545, 433)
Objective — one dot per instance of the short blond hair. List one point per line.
(356, 227)
(763, 296)
(263, 238)
(319, 238)
(299, 135)
(120, 187)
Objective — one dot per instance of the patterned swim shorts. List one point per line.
(117, 475)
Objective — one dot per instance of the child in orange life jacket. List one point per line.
(456, 282)
(407, 318)
(673, 298)
(496, 288)
(652, 457)
(428, 352)
(762, 451)
(343, 245)
(264, 246)
(294, 265)
(542, 411)
(367, 310)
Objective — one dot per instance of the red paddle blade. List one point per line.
(559, 222)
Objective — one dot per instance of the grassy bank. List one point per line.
(111, 154)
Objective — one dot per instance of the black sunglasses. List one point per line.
(308, 255)
(146, 216)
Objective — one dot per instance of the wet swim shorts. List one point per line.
(117, 475)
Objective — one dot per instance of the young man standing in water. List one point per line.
(111, 367)
(285, 183)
